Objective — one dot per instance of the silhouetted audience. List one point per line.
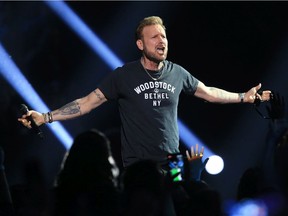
(203, 201)
(282, 169)
(261, 190)
(32, 197)
(6, 204)
(278, 124)
(87, 183)
(145, 192)
(274, 164)
(200, 199)
(251, 184)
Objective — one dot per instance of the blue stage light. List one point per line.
(16, 79)
(190, 139)
(85, 33)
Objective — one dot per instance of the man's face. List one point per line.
(154, 43)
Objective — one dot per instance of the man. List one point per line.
(147, 92)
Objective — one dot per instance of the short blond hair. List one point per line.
(147, 21)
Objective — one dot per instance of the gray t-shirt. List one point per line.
(148, 109)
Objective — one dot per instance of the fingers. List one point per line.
(188, 155)
(192, 151)
(255, 95)
(195, 153)
(264, 96)
(202, 151)
(258, 95)
(25, 122)
(258, 87)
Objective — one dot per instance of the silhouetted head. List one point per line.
(88, 162)
(142, 174)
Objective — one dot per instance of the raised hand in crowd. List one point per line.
(195, 165)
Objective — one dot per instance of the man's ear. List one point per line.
(139, 44)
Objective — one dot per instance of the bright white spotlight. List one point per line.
(214, 165)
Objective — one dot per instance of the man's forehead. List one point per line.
(154, 29)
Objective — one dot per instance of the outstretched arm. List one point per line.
(71, 110)
(217, 95)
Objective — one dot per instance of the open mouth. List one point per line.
(160, 50)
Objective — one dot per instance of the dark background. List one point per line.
(231, 45)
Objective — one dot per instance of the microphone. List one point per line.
(35, 128)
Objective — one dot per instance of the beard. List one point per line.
(155, 57)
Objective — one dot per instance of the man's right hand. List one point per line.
(37, 117)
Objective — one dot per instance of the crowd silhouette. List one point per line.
(90, 182)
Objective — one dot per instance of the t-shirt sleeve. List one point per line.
(109, 86)
(190, 82)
